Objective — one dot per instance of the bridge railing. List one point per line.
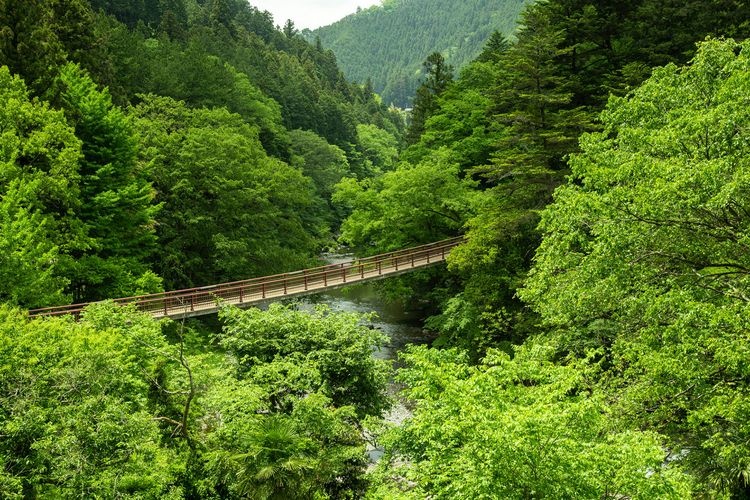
(267, 287)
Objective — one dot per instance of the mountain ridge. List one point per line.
(387, 43)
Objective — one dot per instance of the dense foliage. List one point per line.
(170, 144)
(505, 127)
(643, 260)
(521, 427)
(38, 193)
(109, 407)
(593, 329)
(636, 292)
(387, 43)
(76, 418)
(227, 208)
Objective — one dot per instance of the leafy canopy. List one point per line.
(39, 185)
(516, 428)
(644, 256)
(230, 210)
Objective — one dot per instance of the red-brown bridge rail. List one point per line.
(208, 299)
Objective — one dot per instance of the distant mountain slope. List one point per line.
(388, 43)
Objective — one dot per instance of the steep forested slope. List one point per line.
(593, 328)
(161, 144)
(388, 43)
(626, 338)
(177, 157)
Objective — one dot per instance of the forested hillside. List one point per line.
(590, 334)
(595, 323)
(387, 43)
(152, 145)
(178, 158)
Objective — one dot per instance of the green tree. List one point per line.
(537, 124)
(174, 18)
(30, 46)
(37, 37)
(279, 462)
(222, 12)
(612, 45)
(39, 183)
(407, 206)
(379, 147)
(75, 417)
(325, 165)
(520, 427)
(438, 76)
(313, 452)
(533, 125)
(27, 253)
(242, 63)
(494, 48)
(284, 419)
(229, 210)
(643, 258)
(290, 31)
(462, 122)
(116, 209)
(335, 348)
(126, 12)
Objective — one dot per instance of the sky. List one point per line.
(310, 13)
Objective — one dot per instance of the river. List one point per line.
(402, 326)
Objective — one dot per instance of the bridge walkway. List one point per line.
(208, 299)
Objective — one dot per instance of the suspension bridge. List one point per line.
(255, 291)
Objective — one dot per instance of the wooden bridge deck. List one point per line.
(208, 299)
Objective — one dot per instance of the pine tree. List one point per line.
(221, 12)
(37, 37)
(439, 76)
(28, 43)
(174, 18)
(116, 199)
(290, 31)
(538, 125)
(495, 47)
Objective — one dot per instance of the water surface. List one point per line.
(402, 326)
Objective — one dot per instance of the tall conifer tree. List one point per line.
(116, 198)
(438, 76)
